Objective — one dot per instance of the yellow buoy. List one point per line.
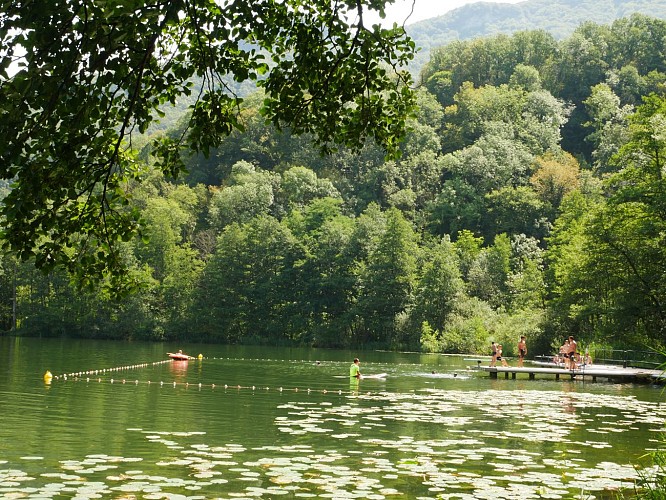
(200, 356)
(48, 376)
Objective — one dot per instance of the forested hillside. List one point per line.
(558, 17)
(529, 199)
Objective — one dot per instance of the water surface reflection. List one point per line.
(272, 422)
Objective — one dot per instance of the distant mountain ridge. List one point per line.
(558, 17)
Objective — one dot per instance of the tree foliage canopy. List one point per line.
(488, 226)
(79, 77)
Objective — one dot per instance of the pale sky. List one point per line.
(423, 9)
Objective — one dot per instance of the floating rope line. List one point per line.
(86, 376)
(103, 371)
(330, 363)
(254, 360)
(200, 386)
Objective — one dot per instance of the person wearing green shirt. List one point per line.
(354, 369)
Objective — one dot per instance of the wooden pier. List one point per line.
(585, 373)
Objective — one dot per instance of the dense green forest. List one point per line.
(529, 199)
(558, 17)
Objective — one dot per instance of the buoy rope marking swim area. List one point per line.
(79, 376)
(102, 371)
(225, 387)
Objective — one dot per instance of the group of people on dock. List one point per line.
(570, 357)
(497, 352)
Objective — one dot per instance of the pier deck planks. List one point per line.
(615, 373)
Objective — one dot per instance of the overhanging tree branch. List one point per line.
(95, 71)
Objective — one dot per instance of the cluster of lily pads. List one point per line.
(448, 444)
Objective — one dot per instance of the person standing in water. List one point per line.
(355, 369)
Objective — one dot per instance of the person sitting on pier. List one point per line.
(499, 355)
(587, 359)
(564, 353)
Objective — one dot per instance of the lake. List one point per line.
(119, 420)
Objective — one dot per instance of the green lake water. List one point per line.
(120, 421)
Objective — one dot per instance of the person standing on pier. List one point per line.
(572, 353)
(493, 359)
(522, 350)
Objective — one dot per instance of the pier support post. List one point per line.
(531, 375)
